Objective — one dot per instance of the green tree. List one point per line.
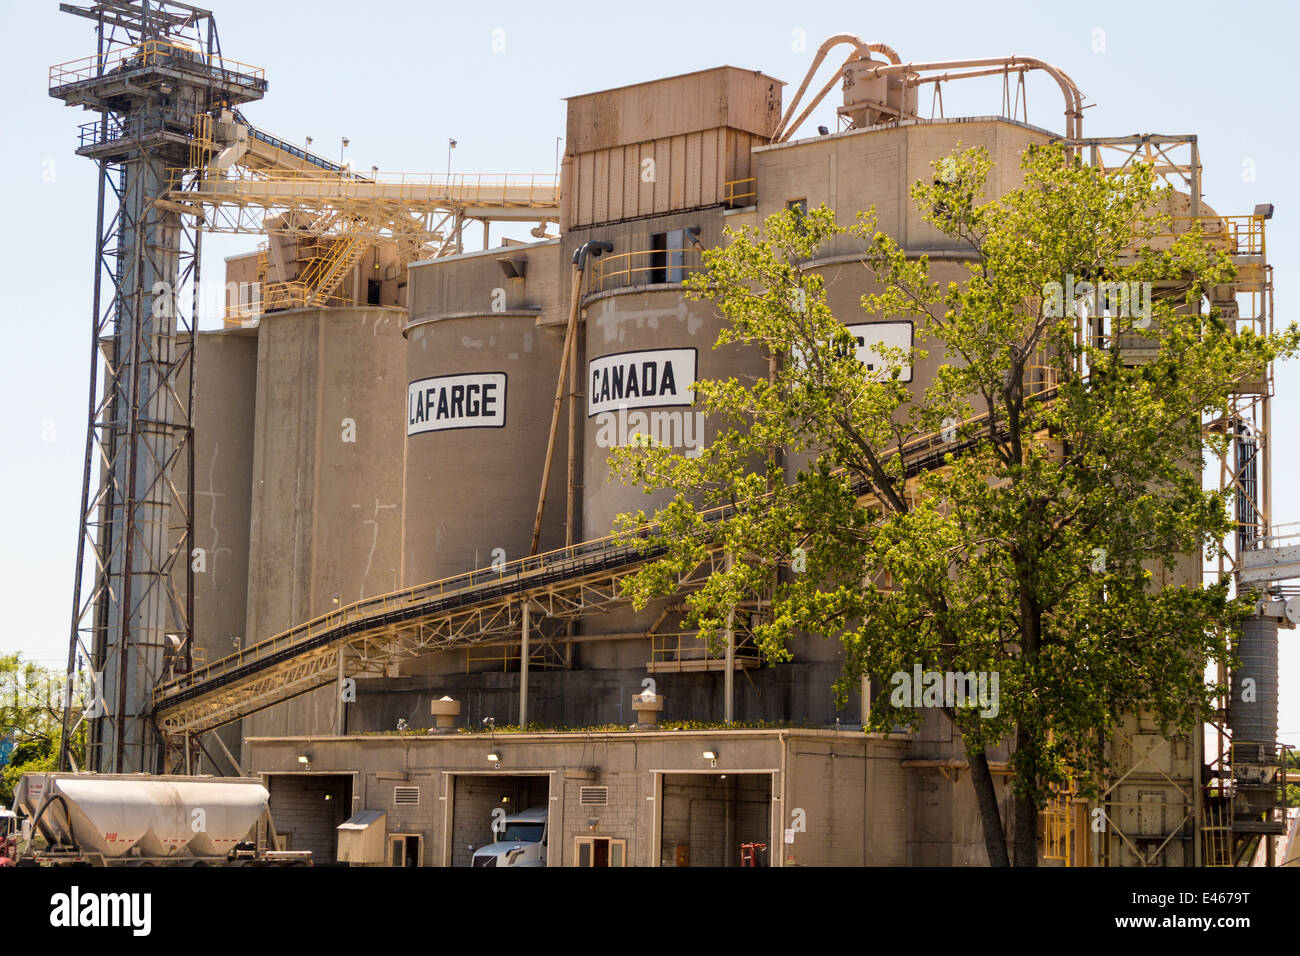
(30, 720)
(1044, 546)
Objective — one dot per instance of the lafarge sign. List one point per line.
(651, 378)
(456, 401)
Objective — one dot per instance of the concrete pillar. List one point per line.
(523, 669)
(338, 703)
(729, 681)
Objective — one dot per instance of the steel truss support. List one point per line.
(157, 64)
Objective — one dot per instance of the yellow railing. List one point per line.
(201, 145)
(507, 189)
(1058, 828)
(1239, 235)
(741, 192)
(295, 294)
(643, 267)
(324, 271)
(676, 647)
(151, 53)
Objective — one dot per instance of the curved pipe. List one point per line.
(1073, 98)
(861, 50)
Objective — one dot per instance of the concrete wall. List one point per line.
(591, 695)
(327, 477)
(224, 415)
(471, 492)
(648, 776)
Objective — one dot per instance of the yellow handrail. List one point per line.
(733, 197)
(148, 52)
(628, 268)
(1244, 234)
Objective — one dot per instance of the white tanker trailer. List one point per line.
(144, 820)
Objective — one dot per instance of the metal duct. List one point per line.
(1255, 720)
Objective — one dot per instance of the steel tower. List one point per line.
(157, 72)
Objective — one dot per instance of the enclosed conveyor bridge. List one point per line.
(456, 612)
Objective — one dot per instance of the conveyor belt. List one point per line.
(246, 681)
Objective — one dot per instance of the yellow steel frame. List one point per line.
(732, 195)
(686, 650)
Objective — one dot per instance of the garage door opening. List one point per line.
(307, 810)
(478, 799)
(715, 819)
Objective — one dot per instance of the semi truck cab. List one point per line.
(521, 842)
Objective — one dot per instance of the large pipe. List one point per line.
(593, 248)
(1070, 91)
(861, 49)
(1073, 98)
(1252, 710)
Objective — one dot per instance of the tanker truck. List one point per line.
(88, 819)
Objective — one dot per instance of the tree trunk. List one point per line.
(995, 838)
(1026, 852)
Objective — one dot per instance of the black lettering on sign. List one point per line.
(447, 402)
(870, 336)
(646, 379)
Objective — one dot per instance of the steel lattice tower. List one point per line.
(155, 77)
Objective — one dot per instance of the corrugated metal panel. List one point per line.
(677, 173)
(691, 174)
(617, 159)
(711, 166)
(600, 187)
(663, 175)
(586, 187)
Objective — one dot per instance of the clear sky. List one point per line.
(400, 78)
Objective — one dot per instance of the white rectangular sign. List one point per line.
(651, 378)
(456, 401)
(897, 335)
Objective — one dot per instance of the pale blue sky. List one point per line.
(399, 78)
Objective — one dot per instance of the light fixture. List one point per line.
(308, 140)
(1264, 211)
(592, 823)
(305, 761)
(494, 759)
(823, 131)
(505, 798)
(711, 756)
(334, 598)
